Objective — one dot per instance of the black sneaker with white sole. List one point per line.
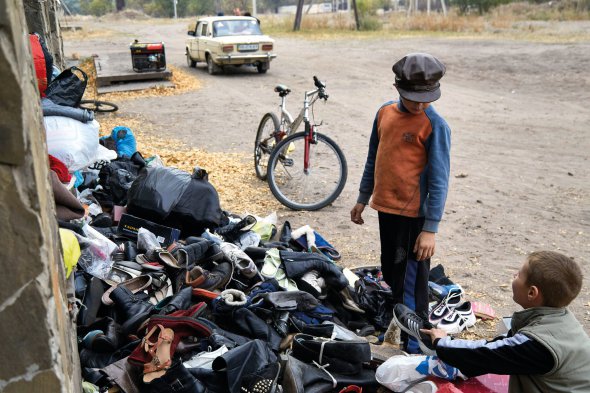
(409, 322)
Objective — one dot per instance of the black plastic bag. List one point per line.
(171, 197)
(67, 88)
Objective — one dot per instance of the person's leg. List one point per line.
(393, 235)
(395, 232)
(416, 282)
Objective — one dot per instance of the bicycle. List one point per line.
(305, 170)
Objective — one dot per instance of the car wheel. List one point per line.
(212, 68)
(189, 60)
(262, 67)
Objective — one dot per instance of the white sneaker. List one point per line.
(313, 278)
(239, 259)
(446, 306)
(458, 320)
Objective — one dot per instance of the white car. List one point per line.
(229, 40)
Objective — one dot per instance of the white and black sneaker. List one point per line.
(446, 306)
(409, 322)
(459, 319)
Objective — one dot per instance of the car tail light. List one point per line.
(228, 48)
(267, 47)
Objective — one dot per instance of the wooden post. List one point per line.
(428, 7)
(444, 7)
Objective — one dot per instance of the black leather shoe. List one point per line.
(182, 300)
(132, 309)
(176, 379)
(280, 321)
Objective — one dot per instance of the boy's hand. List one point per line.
(424, 247)
(356, 214)
(434, 333)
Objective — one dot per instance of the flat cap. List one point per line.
(417, 77)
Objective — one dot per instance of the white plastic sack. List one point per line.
(398, 372)
(72, 142)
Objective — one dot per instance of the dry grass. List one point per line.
(505, 22)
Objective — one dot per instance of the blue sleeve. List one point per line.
(368, 179)
(518, 354)
(437, 173)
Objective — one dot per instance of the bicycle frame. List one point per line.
(292, 124)
(287, 120)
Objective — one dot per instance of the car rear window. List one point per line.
(226, 28)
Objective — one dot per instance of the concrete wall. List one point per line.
(37, 337)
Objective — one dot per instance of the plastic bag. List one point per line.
(67, 88)
(265, 227)
(398, 372)
(96, 253)
(125, 141)
(174, 198)
(70, 249)
(146, 240)
(72, 142)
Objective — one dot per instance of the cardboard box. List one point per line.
(129, 226)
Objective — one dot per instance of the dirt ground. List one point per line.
(520, 145)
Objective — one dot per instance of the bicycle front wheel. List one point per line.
(310, 189)
(98, 106)
(265, 142)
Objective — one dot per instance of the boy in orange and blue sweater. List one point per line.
(406, 179)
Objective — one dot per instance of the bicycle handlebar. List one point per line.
(321, 88)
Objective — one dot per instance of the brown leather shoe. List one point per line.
(209, 280)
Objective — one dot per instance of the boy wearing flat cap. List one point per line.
(406, 179)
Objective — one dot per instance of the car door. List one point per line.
(192, 42)
(202, 39)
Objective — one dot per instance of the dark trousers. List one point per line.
(407, 277)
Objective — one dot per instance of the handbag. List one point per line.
(67, 88)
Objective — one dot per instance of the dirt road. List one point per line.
(519, 115)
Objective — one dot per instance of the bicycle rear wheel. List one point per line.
(312, 190)
(265, 142)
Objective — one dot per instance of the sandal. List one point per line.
(160, 352)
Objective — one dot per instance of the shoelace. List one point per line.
(323, 367)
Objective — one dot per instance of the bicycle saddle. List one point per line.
(282, 90)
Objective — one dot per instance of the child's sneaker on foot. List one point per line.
(411, 323)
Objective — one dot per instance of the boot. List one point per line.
(192, 252)
(92, 359)
(300, 377)
(348, 302)
(298, 263)
(342, 357)
(231, 232)
(103, 336)
(177, 379)
(182, 300)
(290, 300)
(131, 308)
